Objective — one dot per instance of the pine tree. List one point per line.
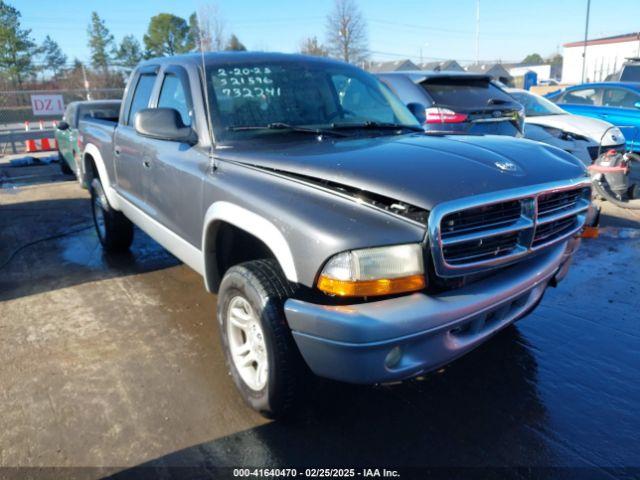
(101, 42)
(129, 52)
(17, 48)
(54, 58)
(167, 35)
(234, 44)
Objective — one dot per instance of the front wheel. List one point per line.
(263, 359)
(115, 231)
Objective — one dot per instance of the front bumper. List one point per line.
(394, 339)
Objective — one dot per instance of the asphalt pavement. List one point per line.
(112, 365)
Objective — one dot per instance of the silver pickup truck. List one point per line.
(339, 237)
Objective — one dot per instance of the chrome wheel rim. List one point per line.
(246, 343)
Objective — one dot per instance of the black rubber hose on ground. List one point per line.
(630, 205)
(40, 240)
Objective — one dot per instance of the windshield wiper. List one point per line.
(371, 125)
(286, 126)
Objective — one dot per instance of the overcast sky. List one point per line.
(509, 30)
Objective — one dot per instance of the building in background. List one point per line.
(444, 66)
(392, 66)
(495, 70)
(605, 56)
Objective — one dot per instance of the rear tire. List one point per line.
(262, 357)
(115, 231)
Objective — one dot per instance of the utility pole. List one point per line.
(86, 83)
(477, 32)
(586, 35)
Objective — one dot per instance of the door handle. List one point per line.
(146, 163)
(116, 151)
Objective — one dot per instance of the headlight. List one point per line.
(374, 271)
(616, 135)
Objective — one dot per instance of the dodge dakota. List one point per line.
(340, 238)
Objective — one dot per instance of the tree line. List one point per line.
(22, 59)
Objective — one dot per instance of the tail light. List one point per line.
(444, 115)
(80, 143)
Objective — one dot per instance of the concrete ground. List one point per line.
(110, 363)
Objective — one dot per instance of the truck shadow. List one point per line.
(51, 244)
(482, 410)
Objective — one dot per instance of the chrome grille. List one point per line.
(499, 214)
(550, 231)
(475, 250)
(486, 231)
(550, 203)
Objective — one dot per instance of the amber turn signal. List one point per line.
(590, 232)
(371, 288)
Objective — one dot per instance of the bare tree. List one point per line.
(311, 46)
(347, 32)
(212, 27)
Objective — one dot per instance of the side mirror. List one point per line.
(62, 125)
(418, 111)
(637, 104)
(163, 124)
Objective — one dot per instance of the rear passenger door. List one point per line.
(129, 149)
(173, 177)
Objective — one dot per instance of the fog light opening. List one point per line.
(393, 357)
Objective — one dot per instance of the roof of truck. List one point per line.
(220, 58)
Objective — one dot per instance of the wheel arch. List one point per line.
(91, 154)
(252, 229)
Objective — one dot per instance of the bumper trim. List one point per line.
(350, 343)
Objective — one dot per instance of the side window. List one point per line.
(172, 95)
(619, 97)
(68, 114)
(585, 96)
(141, 95)
(355, 96)
(389, 85)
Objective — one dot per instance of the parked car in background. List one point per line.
(66, 134)
(615, 102)
(630, 70)
(457, 102)
(583, 137)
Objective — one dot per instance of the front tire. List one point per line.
(115, 231)
(261, 354)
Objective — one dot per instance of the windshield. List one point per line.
(318, 96)
(536, 106)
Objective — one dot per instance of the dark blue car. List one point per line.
(457, 102)
(615, 102)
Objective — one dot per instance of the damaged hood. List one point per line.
(592, 128)
(417, 169)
